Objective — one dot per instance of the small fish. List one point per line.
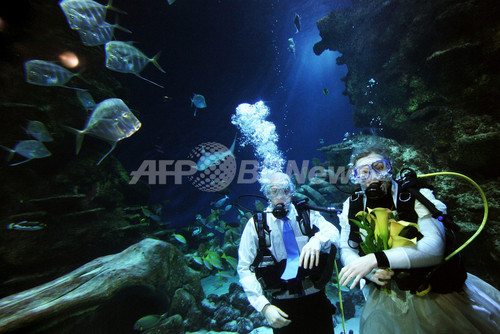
(200, 218)
(125, 58)
(38, 131)
(296, 22)
(291, 46)
(179, 238)
(321, 141)
(198, 101)
(228, 207)
(149, 214)
(111, 121)
(231, 260)
(326, 91)
(197, 231)
(148, 322)
(44, 73)
(30, 149)
(214, 259)
(224, 273)
(86, 100)
(212, 217)
(198, 260)
(208, 159)
(241, 212)
(26, 226)
(220, 202)
(207, 264)
(170, 1)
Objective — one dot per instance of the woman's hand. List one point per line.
(309, 257)
(275, 316)
(357, 269)
(382, 276)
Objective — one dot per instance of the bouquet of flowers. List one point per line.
(380, 230)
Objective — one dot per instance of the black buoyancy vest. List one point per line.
(268, 270)
(449, 276)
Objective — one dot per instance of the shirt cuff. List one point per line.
(260, 303)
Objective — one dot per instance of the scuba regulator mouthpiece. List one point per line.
(375, 190)
(280, 211)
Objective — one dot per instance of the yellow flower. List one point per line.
(395, 239)
(381, 218)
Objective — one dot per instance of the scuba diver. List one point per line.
(410, 289)
(286, 254)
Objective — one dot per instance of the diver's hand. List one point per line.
(357, 269)
(381, 276)
(275, 316)
(309, 257)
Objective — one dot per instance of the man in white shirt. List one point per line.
(298, 301)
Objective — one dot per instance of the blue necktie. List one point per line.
(292, 251)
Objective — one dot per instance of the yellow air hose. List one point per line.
(485, 203)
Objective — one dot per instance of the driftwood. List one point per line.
(87, 286)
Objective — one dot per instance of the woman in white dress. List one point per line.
(472, 306)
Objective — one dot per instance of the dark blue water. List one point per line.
(232, 52)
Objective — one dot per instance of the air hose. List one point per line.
(485, 203)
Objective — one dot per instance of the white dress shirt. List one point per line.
(328, 234)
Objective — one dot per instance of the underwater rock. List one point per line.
(237, 297)
(224, 314)
(208, 307)
(184, 304)
(240, 325)
(173, 324)
(424, 68)
(149, 263)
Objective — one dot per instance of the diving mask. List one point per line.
(379, 170)
(281, 190)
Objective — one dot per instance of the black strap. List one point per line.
(260, 221)
(355, 205)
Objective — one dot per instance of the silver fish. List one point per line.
(86, 14)
(30, 149)
(86, 99)
(220, 202)
(296, 22)
(44, 73)
(125, 58)
(291, 46)
(198, 101)
(100, 35)
(110, 121)
(37, 130)
(208, 159)
(26, 226)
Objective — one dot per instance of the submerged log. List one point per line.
(151, 263)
